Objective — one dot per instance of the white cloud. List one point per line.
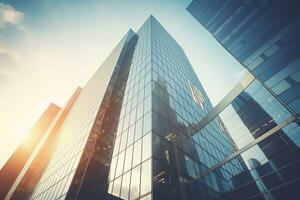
(8, 57)
(9, 15)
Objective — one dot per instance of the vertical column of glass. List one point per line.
(179, 102)
(130, 172)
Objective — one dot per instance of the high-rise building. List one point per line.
(154, 156)
(144, 128)
(46, 134)
(80, 165)
(41, 155)
(263, 119)
(130, 133)
(263, 36)
(18, 159)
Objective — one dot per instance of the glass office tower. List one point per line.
(14, 165)
(144, 128)
(263, 36)
(41, 155)
(262, 117)
(132, 133)
(157, 153)
(78, 149)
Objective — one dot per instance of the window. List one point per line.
(147, 143)
(139, 129)
(130, 135)
(112, 168)
(120, 164)
(281, 87)
(270, 51)
(125, 186)
(137, 152)
(146, 177)
(128, 158)
(132, 116)
(197, 95)
(135, 183)
(255, 63)
(123, 141)
(139, 111)
(147, 123)
(296, 76)
(117, 187)
(147, 104)
(116, 147)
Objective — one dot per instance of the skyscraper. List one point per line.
(130, 132)
(144, 128)
(264, 118)
(84, 141)
(18, 159)
(262, 36)
(154, 156)
(31, 170)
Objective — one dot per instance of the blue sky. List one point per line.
(49, 47)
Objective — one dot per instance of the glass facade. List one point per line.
(41, 156)
(144, 128)
(262, 36)
(228, 158)
(267, 137)
(14, 166)
(75, 131)
(154, 155)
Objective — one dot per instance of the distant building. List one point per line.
(143, 128)
(39, 157)
(128, 135)
(18, 159)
